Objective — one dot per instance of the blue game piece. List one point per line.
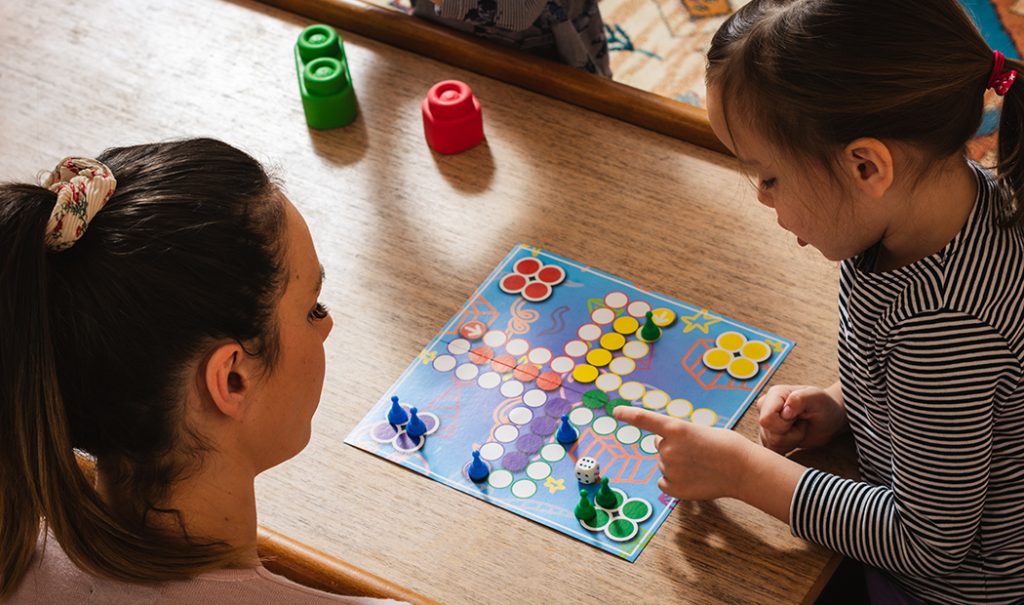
(415, 428)
(566, 433)
(397, 414)
(478, 469)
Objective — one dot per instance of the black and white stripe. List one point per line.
(931, 360)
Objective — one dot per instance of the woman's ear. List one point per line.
(868, 163)
(227, 377)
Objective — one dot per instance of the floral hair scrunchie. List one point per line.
(83, 186)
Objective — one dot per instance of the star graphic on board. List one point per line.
(776, 345)
(692, 321)
(554, 485)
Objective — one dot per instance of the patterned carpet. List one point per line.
(656, 45)
(659, 45)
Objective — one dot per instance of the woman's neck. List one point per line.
(927, 215)
(216, 503)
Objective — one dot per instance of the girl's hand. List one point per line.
(697, 463)
(799, 417)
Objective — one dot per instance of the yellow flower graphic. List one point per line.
(737, 355)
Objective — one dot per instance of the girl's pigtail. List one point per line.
(1010, 168)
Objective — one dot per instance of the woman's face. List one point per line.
(288, 395)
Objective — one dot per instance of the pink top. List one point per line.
(54, 580)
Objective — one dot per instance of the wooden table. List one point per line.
(406, 236)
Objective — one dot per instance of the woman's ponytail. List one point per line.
(36, 458)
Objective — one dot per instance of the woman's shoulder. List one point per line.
(243, 586)
(53, 578)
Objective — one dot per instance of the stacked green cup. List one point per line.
(325, 84)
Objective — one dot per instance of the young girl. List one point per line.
(853, 116)
(159, 313)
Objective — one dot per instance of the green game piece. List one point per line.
(606, 497)
(328, 99)
(585, 511)
(650, 332)
(614, 403)
(595, 398)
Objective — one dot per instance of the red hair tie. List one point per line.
(1001, 81)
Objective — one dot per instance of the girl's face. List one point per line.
(807, 203)
(289, 394)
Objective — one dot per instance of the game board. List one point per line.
(502, 372)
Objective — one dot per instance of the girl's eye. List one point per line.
(320, 311)
(767, 184)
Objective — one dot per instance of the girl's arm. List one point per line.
(943, 375)
(700, 463)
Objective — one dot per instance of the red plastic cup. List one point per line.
(452, 120)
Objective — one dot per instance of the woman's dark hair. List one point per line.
(814, 75)
(97, 342)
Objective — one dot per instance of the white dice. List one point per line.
(588, 470)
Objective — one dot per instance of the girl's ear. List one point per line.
(227, 377)
(869, 165)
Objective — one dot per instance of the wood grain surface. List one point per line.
(406, 236)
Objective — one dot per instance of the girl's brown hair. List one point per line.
(815, 75)
(97, 341)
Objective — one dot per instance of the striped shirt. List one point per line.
(931, 359)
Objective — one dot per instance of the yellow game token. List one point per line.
(584, 373)
(613, 341)
(599, 357)
(717, 359)
(663, 317)
(756, 350)
(731, 341)
(742, 368)
(626, 325)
